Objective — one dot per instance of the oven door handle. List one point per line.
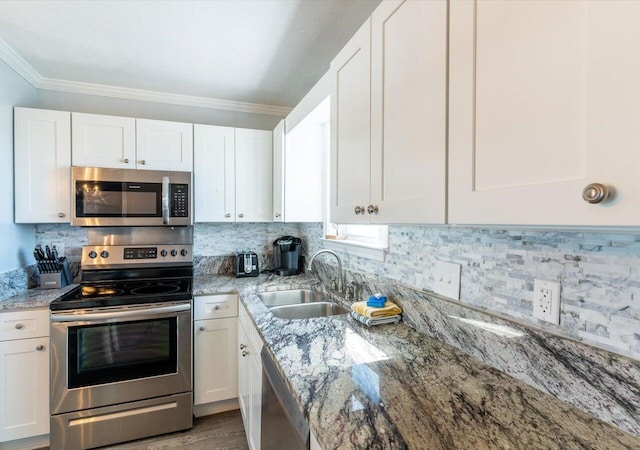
(165, 200)
(98, 316)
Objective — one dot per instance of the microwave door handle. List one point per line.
(165, 200)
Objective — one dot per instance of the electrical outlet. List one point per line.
(447, 279)
(546, 301)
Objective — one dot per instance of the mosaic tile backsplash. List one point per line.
(599, 272)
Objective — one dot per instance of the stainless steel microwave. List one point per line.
(127, 197)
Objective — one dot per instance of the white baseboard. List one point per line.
(215, 408)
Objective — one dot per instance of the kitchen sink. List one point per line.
(307, 310)
(298, 304)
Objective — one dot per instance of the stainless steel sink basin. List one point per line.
(300, 304)
(307, 310)
(293, 297)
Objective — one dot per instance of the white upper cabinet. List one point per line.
(409, 112)
(163, 145)
(254, 175)
(42, 166)
(351, 129)
(232, 174)
(544, 101)
(278, 172)
(103, 141)
(214, 174)
(388, 149)
(128, 143)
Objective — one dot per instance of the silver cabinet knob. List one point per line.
(358, 210)
(201, 328)
(126, 160)
(371, 209)
(241, 215)
(277, 214)
(19, 326)
(242, 346)
(217, 307)
(40, 347)
(143, 162)
(244, 353)
(595, 193)
(61, 215)
(227, 215)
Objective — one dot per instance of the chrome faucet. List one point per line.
(331, 252)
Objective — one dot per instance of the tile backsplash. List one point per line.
(599, 272)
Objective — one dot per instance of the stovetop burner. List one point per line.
(96, 294)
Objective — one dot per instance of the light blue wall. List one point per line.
(16, 241)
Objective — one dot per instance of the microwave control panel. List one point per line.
(179, 200)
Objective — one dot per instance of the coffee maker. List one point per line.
(286, 255)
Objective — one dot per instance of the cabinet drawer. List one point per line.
(24, 324)
(215, 306)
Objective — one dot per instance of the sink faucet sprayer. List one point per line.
(331, 252)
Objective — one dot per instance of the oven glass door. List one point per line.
(120, 351)
(117, 199)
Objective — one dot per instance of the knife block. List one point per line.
(54, 280)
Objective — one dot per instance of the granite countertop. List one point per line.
(392, 387)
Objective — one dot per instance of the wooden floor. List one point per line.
(222, 431)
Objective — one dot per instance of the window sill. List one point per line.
(355, 248)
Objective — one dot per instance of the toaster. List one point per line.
(247, 264)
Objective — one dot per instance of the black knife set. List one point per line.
(54, 270)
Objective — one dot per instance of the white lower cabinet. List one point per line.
(249, 378)
(215, 341)
(24, 374)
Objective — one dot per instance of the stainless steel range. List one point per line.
(121, 361)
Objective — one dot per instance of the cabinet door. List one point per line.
(216, 360)
(24, 388)
(544, 101)
(350, 129)
(255, 409)
(409, 111)
(103, 141)
(42, 185)
(163, 145)
(254, 175)
(244, 377)
(214, 173)
(278, 172)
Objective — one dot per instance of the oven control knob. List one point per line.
(163, 252)
(104, 254)
(183, 252)
(174, 252)
(93, 254)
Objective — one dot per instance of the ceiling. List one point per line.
(266, 52)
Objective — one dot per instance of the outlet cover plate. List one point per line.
(447, 279)
(546, 301)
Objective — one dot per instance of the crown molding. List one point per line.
(26, 71)
(19, 64)
(103, 90)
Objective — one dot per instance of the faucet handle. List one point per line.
(355, 288)
(334, 284)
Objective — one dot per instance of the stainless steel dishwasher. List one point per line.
(282, 425)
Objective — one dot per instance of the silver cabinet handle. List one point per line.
(19, 326)
(227, 215)
(371, 209)
(277, 214)
(244, 353)
(201, 328)
(358, 210)
(61, 215)
(241, 215)
(143, 162)
(242, 346)
(126, 160)
(595, 193)
(217, 307)
(40, 347)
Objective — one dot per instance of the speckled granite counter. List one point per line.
(393, 387)
(33, 298)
